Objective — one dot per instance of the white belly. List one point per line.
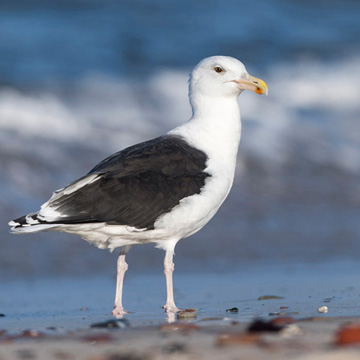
(195, 211)
(185, 219)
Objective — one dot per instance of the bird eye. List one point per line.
(218, 69)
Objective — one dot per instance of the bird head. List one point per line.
(219, 76)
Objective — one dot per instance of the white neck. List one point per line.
(215, 128)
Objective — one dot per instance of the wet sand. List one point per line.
(52, 318)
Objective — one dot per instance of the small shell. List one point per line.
(187, 314)
(291, 330)
(323, 309)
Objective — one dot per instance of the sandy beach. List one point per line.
(275, 316)
(312, 339)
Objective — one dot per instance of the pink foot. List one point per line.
(171, 308)
(119, 312)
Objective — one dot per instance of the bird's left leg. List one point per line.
(122, 266)
(168, 270)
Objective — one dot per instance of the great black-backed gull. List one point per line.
(162, 190)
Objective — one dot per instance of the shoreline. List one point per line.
(52, 318)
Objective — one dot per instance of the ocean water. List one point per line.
(80, 80)
(59, 305)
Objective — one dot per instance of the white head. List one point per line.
(223, 76)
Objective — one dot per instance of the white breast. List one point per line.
(218, 136)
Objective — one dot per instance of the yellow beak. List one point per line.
(253, 84)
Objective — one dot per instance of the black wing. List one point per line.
(135, 186)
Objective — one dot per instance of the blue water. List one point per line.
(80, 80)
(62, 41)
(73, 303)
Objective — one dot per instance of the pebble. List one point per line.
(186, 314)
(283, 320)
(323, 309)
(274, 314)
(291, 330)
(112, 324)
(233, 310)
(348, 335)
(263, 326)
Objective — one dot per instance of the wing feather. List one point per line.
(132, 187)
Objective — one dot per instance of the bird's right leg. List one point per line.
(122, 266)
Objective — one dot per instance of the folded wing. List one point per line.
(132, 187)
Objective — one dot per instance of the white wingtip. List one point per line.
(24, 229)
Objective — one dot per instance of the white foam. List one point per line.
(312, 108)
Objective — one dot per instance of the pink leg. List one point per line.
(170, 306)
(122, 266)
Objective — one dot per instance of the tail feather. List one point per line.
(28, 224)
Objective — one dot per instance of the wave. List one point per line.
(312, 108)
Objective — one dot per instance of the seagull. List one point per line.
(162, 190)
